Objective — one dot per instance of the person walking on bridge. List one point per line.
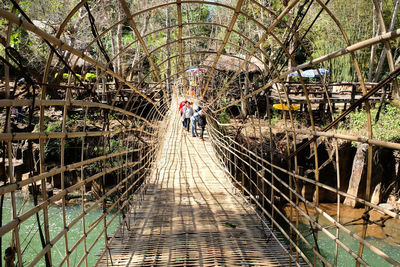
(186, 115)
(194, 120)
(181, 106)
(202, 122)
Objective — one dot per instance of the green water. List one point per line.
(327, 248)
(31, 245)
(30, 240)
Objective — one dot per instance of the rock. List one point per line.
(58, 202)
(387, 206)
(376, 195)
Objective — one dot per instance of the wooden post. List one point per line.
(353, 93)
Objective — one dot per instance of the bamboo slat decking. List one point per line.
(190, 215)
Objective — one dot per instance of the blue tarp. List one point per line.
(311, 73)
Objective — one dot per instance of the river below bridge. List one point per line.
(30, 241)
(386, 238)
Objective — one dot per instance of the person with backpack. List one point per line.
(181, 105)
(194, 120)
(202, 122)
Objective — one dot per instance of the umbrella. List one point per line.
(313, 73)
(294, 74)
(191, 69)
(200, 70)
(195, 69)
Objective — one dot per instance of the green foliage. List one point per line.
(224, 116)
(127, 38)
(275, 116)
(387, 128)
(53, 127)
(88, 76)
(52, 150)
(326, 36)
(114, 146)
(230, 225)
(19, 38)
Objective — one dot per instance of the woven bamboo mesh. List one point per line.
(102, 135)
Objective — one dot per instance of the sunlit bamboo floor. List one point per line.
(190, 216)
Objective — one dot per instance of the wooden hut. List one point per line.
(232, 63)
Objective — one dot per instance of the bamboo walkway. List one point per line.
(189, 215)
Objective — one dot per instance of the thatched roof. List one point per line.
(233, 62)
(71, 60)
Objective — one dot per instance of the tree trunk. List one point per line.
(114, 49)
(189, 35)
(168, 23)
(245, 91)
(375, 31)
(292, 42)
(137, 53)
(119, 43)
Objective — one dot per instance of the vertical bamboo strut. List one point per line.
(367, 107)
(64, 130)
(15, 233)
(225, 41)
(338, 199)
(358, 259)
(180, 44)
(144, 47)
(262, 39)
(83, 188)
(219, 145)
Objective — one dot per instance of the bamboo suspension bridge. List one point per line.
(190, 214)
(96, 170)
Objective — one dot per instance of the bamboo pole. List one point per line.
(60, 135)
(222, 47)
(55, 171)
(337, 224)
(15, 233)
(144, 47)
(18, 220)
(58, 43)
(282, 215)
(83, 188)
(338, 53)
(59, 236)
(63, 140)
(77, 103)
(180, 44)
(321, 185)
(262, 39)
